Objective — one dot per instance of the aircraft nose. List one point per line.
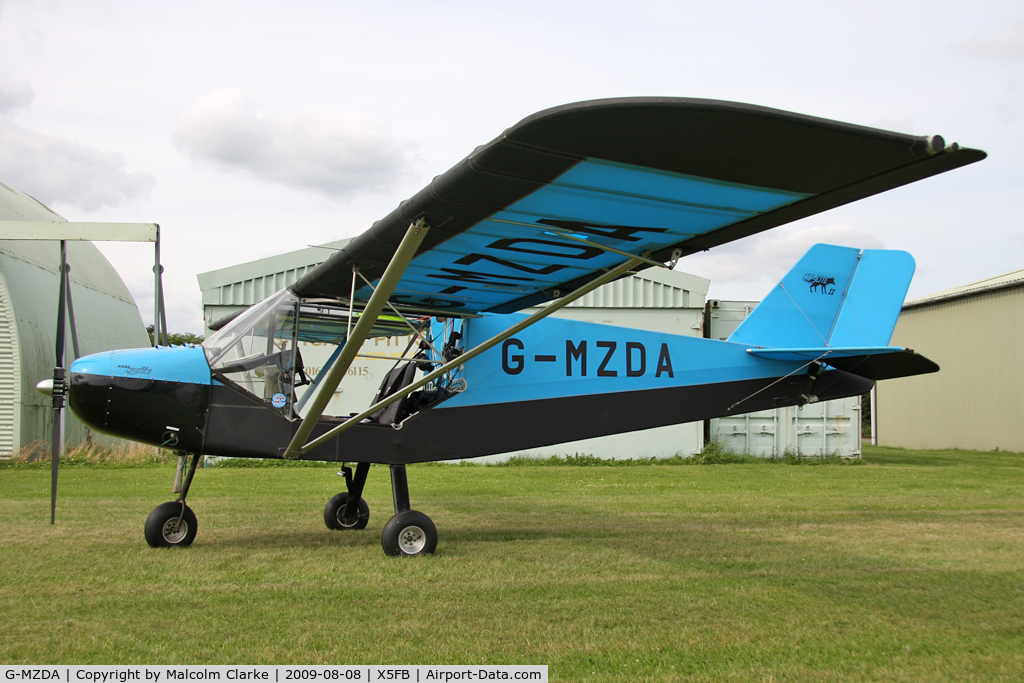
(142, 394)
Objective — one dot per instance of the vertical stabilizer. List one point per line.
(833, 297)
(802, 309)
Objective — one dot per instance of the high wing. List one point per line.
(568, 193)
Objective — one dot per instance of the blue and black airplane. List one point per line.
(563, 202)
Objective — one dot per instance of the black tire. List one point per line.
(409, 533)
(335, 510)
(163, 530)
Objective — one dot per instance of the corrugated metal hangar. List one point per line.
(106, 317)
(974, 333)
(654, 299)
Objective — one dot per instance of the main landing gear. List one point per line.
(409, 532)
(173, 524)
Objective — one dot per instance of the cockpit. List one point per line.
(260, 351)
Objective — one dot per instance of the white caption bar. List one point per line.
(418, 673)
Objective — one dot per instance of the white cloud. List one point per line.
(746, 268)
(14, 94)
(895, 125)
(336, 153)
(58, 170)
(1007, 44)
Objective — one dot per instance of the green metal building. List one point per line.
(106, 317)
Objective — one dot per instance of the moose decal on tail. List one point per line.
(820, 283)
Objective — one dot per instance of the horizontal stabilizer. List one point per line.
(878, 362)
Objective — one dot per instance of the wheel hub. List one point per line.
(175, 530)
(411, 540)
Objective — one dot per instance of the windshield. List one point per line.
(256, 351)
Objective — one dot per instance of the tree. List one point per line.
(178, 338)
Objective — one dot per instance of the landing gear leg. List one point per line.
(409, 532)
(174, 524)
(348, 510)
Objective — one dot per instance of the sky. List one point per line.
(248, 129)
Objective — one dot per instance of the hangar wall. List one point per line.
(974, 402)
(229, 290)
(10, 374)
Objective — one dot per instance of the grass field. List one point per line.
(906, 567)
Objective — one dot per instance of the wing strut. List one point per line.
(294, 450)
(415, 331)
(388, 281)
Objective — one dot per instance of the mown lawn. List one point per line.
(906, 567)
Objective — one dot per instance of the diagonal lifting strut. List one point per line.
(388, 281)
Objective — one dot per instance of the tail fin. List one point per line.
(838, 305)
(833, 297)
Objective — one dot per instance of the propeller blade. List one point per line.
(58, 382)
(58, 389)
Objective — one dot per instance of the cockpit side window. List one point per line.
(260, 353)
(257, 351)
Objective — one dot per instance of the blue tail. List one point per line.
(838, 305)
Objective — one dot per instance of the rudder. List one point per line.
(869, 311)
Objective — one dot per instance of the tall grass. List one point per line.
(714, 453)
(121, 453)
(130, 454)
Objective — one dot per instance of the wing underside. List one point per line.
(570, 192)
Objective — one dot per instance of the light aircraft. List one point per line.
(563, 202)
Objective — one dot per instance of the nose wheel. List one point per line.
(173, 524)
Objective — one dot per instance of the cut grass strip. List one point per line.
(909, 567)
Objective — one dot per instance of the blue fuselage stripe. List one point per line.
(558, 358)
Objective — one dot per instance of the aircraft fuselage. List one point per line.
(560, 380)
